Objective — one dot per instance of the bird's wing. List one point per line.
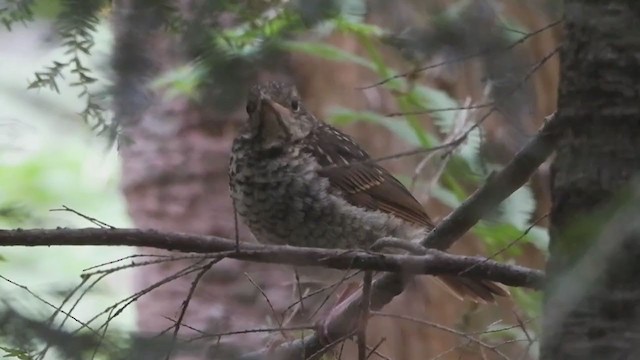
(363, 183)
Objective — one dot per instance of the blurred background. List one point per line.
(124, 111)
(51, 158)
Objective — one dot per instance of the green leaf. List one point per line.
(347, 24)
(529, 301)
(469, 151)
(15, 353)
(249, 38)
(509, 222)
(184, 80)
(512, 30)
(445, 196)
(398, 126)
(2, 258)
(429, 98)
(498, 237)
(326, 51)
(454, 186)
(538, 236)
(518, 208)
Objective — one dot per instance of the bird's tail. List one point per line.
(478, 290)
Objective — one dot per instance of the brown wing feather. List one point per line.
(368, 185)
(363, 184)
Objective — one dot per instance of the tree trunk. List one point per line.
(592, 304)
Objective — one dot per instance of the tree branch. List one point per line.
(433, 263)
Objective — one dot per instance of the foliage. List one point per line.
(15, 11)
(47, 160)
(15, 353)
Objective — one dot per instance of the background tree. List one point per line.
(591, 304)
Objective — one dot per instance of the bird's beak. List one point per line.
(277, 109)
(273, 113)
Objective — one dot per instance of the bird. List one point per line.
(296, 180)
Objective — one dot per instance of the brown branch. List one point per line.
(497, 188)
(432, 263)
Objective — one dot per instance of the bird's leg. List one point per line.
(395, 243)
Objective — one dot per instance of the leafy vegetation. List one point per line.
(48, 160)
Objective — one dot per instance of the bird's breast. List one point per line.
(284, 201)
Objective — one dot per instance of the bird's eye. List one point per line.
(251, 107)
(295, 104)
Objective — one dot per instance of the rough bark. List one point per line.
(592, 305)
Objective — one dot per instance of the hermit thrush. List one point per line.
(298, 181)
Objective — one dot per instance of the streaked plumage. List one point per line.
(298, 181)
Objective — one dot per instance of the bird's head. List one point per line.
(277, 116)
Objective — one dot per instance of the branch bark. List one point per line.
(433, 263)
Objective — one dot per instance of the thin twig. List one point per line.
(322, 289)
(264, 295)
(248, 331)
(187, 300)
(299, 290)
(446, 329)
(400, 155)
(317, 355)
(117, 308)
(512, 243)
(57, 309)
(364, 316)
(134, 256)
(431, 111)
(93, 220)
(235, 224)
(134, 264)
(464, 57)
(334, 286)
(374, 350)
